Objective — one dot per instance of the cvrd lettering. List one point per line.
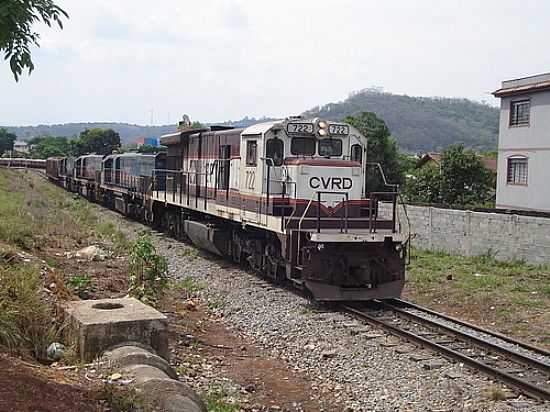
(332, 183)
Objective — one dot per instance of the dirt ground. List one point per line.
(26, 385)
(196, 335)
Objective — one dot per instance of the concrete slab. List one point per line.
(97, 325)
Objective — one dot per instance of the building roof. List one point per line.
(430, 156)
(530, 84)
(489, 162)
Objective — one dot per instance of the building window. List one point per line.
(251, 153)
(517, 170)
(520, 112)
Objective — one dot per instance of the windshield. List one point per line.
(330, 147)
(304, 146)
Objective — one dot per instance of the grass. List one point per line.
(495, 394)
(82, 286)
(123, 399)
(36, 216)
(189, 285)
(479, 274)
(190, 253)
(513, 296)
(15, 223)
(217, 400)
(26, 318)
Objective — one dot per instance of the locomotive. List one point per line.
(288, 198)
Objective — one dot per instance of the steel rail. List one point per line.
(521, 385)
(518, 357)
(505, 338)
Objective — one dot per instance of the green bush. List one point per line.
(148, 271)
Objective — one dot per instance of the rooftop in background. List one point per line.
(489, 162)
(529, 84)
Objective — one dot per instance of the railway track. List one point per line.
(521, 366)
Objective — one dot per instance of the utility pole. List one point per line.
(152, 111)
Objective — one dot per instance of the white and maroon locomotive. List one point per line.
(288, 197)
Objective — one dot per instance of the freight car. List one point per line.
(288, 198)
(22, 163)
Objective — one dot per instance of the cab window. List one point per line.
(275, 149)
(357, 153)
(330, 147)
(302, 146)
(251, 153)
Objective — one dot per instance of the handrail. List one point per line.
(298, 254)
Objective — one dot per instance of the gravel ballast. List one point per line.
(357, 365)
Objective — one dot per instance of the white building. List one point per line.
(523, 175)
(21, 146)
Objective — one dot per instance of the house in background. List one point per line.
(523, 176)
(21, 146)
(147, 141)
(434, 159)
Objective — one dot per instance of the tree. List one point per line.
(460, 180)
(6, 141)
(146, 148)
(381, 148)
(98, 141)
(423, 185)
(49, 146)
(16, 34)
(464, 179)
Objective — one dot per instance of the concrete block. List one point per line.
(97, 325)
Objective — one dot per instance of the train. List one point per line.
(287, 198)
(22, 163)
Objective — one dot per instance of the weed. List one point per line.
(51, 262)
(190, 253)
(217, 401)
(496, 393)
(9, 333)
(119, 239)
(188, 284)
(148, 271)
(214, 304)
(122, 399)
(82, 286)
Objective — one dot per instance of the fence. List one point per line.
(467, 233)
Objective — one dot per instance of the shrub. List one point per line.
(148, 271)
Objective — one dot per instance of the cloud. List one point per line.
(224, 59)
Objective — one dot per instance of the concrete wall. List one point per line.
(531, 141)
(467, 233)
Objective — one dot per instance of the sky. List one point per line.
(149, 62)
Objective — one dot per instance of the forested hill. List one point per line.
(128, 132)
(421, 124)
